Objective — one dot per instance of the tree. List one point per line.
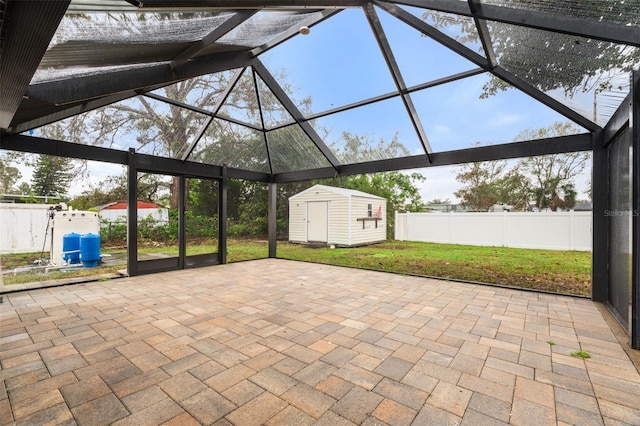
(51, 176)
(9, 175)
(552, 176)
(514, 189)
(203, 197)
(151, 187)
(24, 188)
(482, 184)
(168, 130)
(439, 201)
(548, 180)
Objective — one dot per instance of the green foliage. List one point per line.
(399, 189)
(203, 196)
(24, 188)
(482, 189)
(151, 230)
(552, 178)
(9, 175)
(547, 180)
(580, 354)
(514, 188)
(113, 233)
(51, 175)
(151, 187)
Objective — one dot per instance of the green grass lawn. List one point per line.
(549, 270)
(566, 272)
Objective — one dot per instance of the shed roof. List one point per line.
(340, 191)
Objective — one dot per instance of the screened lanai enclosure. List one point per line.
(281, 91)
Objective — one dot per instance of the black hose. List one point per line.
(46, 231)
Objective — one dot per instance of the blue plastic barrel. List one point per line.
(90, 250)
(71, 248)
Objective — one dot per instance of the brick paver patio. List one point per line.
(278, 342)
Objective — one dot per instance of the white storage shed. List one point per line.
(337, 216)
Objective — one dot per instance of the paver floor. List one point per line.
(278, 342)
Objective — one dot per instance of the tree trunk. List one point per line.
(174, 190)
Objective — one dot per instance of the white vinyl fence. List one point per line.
(539, 230)
(23, 228)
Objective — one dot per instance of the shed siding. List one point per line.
(297, 221)
(359, 209)
(298, 215)
(339, 221)
(343, 227)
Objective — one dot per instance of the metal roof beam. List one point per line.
(27, 28)
(542, 97)
(394, 69)
(71, 111)
(618, 122)
(556, 145)
(212, 37)
(88, 87)
(46, 146)
(265, 137)
(291, 32)
(221, 100)
(483, 33)
(249, 4)
(145, 162)
(565, 24)
(288, 104)
(435, 34)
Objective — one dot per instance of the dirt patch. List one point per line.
(391, 246)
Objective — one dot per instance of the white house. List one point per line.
(337, 216)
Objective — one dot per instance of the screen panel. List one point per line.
(620, 216)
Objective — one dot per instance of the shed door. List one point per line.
(317, 221)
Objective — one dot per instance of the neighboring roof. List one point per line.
(62, 59)
(340, 191)
(583, 206)
(122, 205)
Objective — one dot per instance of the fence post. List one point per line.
(572, 231)
(505, 228)
(397, 222)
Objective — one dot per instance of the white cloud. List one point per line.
(505, 120)
(98, 172)
(441, 183)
